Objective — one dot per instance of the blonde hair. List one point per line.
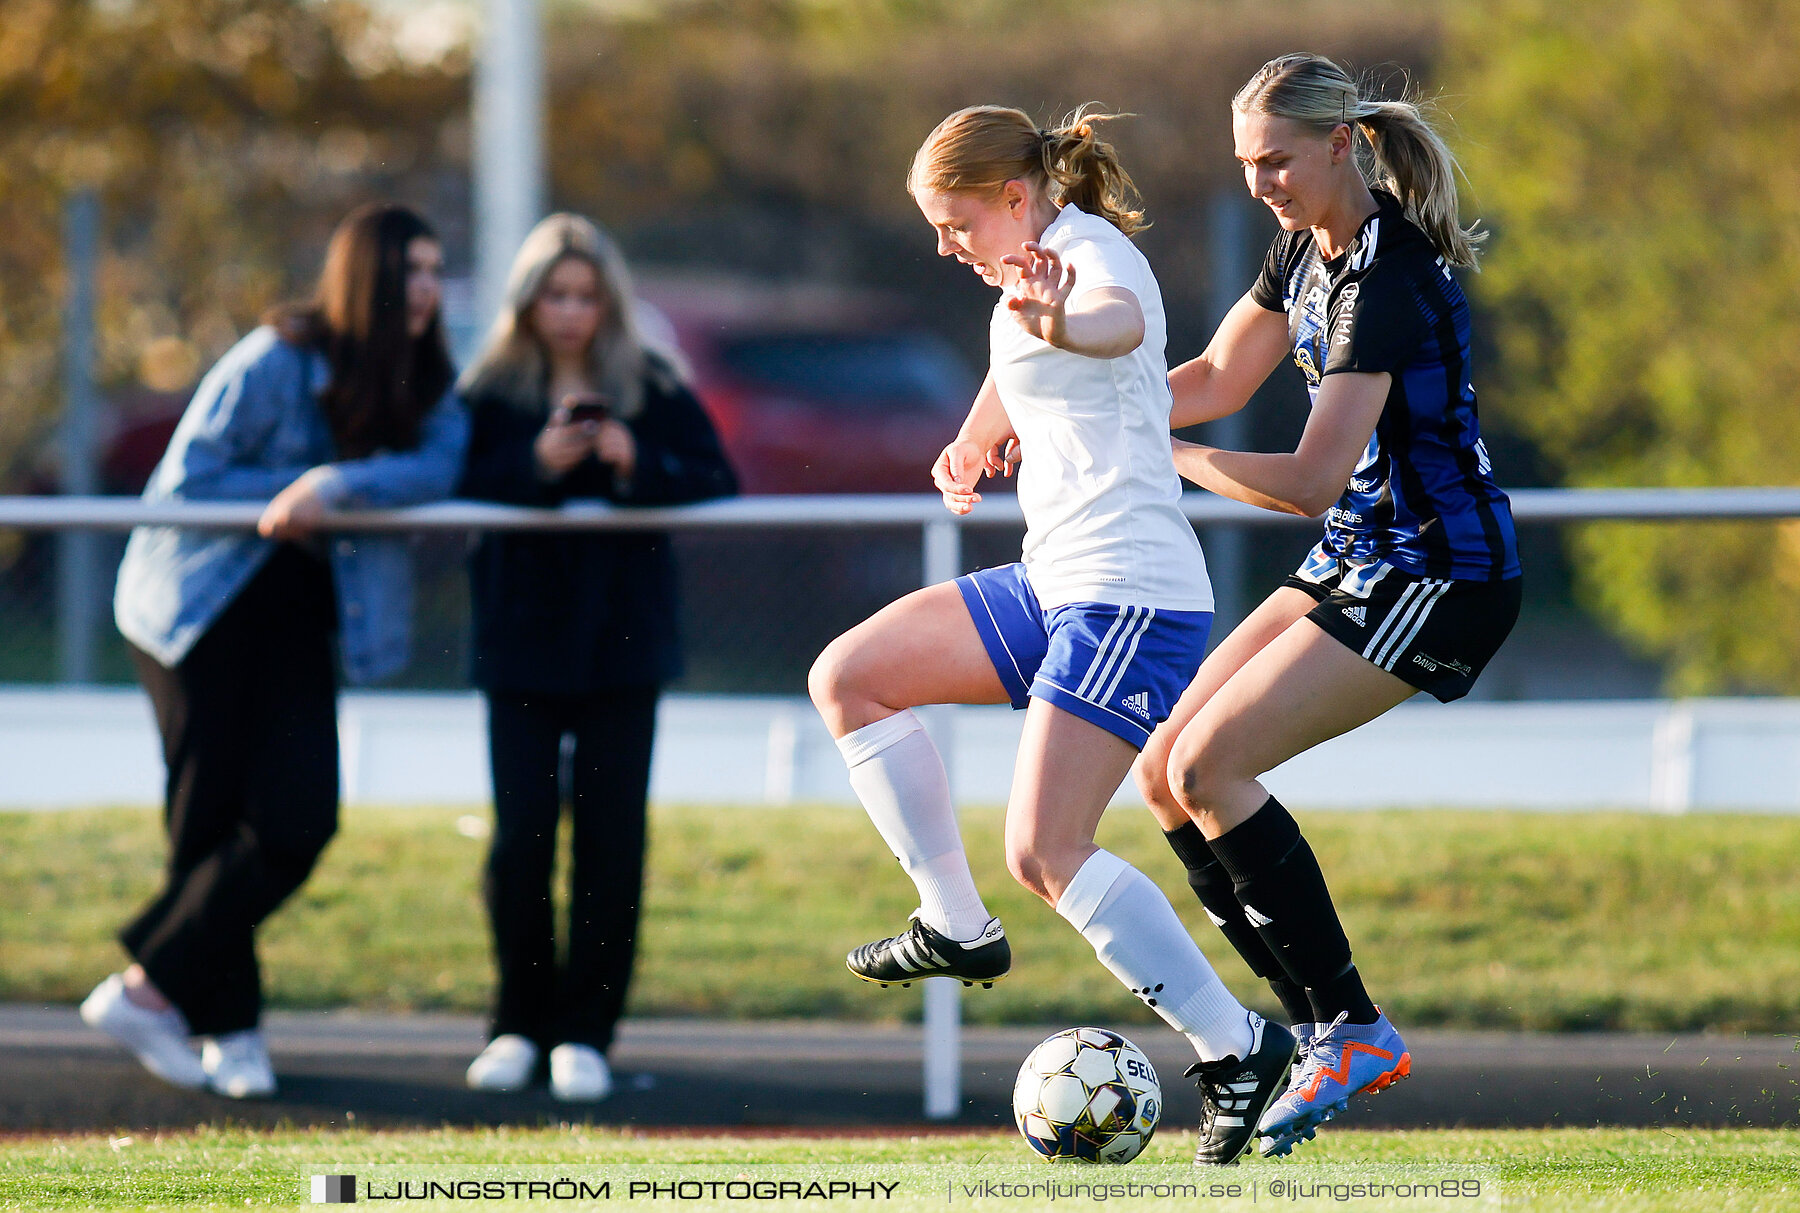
(1410, 160)
(980, 149)
(512, 360)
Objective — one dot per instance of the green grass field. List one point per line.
(1506, 920)
(1628, 1171)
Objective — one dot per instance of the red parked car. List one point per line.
(816, 390)
(813, 389)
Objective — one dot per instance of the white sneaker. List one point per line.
(237, 1065)
(505, 1065)
(578, 1074)
(158, 1038)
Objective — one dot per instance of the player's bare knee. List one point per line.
(1151, 775)
(1194, 778)
(1028, 868)
(831, 681)
(822, 678)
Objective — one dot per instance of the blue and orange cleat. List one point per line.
(1341, 1060)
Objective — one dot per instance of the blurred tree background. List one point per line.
(1631, 160)
(223, 137)
(1637, 164)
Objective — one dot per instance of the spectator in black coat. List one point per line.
(574, 636)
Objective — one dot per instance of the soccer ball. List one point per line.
(1087, 1095)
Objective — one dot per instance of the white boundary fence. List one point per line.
(942, 542)
(1529, 505)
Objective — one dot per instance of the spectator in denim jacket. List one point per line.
(345, 402)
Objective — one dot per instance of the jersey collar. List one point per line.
(1063, 224)
(1383, 223)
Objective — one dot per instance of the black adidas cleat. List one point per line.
(921, 952)
(1237, 1092)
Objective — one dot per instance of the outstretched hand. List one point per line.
(1041, 299)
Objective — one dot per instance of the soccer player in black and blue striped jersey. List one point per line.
(1416, 581)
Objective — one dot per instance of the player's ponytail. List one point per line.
(1087, 171)
(1413, 164)
(980, 149)
(1409, 158)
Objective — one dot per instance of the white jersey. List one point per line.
(1098, 482)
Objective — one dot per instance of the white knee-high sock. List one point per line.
(1137, 936)
(899, 776)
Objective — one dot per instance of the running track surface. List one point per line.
(342, 1068)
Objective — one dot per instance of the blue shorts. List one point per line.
(1119, 667)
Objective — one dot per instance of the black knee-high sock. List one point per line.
(1212, 884)
(1279, 884)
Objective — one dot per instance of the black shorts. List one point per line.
(1434, 634)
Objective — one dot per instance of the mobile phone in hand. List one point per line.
(587, 406)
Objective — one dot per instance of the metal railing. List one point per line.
(923, 509)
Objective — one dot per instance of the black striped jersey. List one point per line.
(1423, 496)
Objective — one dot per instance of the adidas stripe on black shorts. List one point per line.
(1433, 633)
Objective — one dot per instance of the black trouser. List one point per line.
(610, 780)
(249, 731)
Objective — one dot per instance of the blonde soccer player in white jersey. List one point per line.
(1094, 633)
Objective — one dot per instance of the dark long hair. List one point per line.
(383, 381)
